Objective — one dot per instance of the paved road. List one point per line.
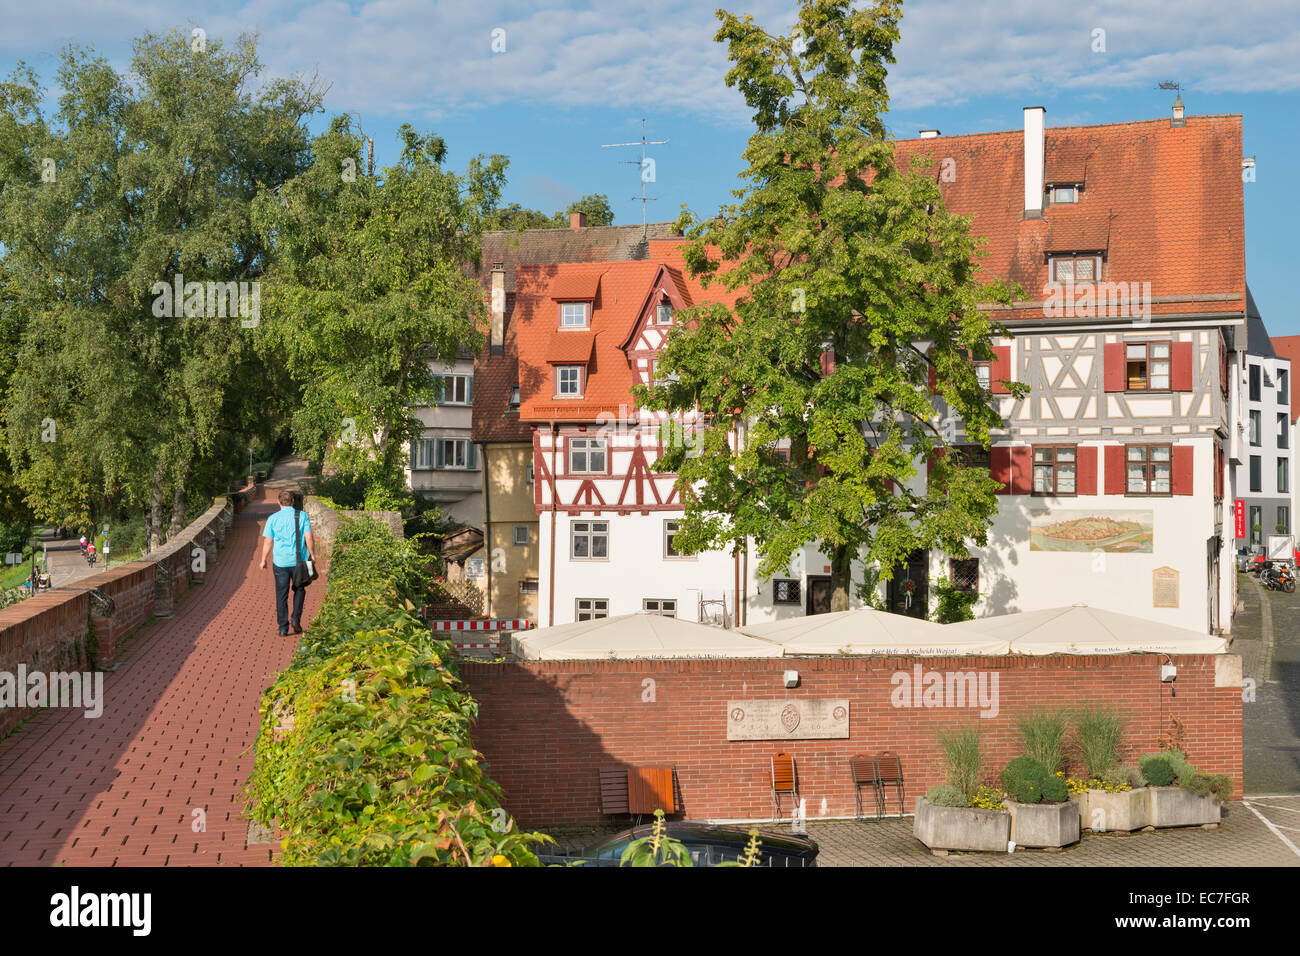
(180, 716)
(1267, 636)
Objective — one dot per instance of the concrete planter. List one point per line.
(1176, 807)
(1102, 810)
(1044, 824)
(961, 828)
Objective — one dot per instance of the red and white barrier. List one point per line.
(495, 624)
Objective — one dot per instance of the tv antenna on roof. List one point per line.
(647, 169)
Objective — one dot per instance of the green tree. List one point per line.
(596, 207)
(139, 181)
(367, 291)
(848, 268)
(514, 216)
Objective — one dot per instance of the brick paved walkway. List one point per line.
(179, 720)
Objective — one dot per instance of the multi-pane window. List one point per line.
(1255, 426)
(589, 609)
(965, 574)
(456, 453)
(1283, 519)
(984, 374)
(1283, 432)
(1256, 473)
(1283, 475)
(972, 456)
(568, 381)
(521, 535)
(586, 456)
(573, 315)
(1076, 268)
(1147, 366)
(514, 398)
(662, 606)
(590, 540)
(670, 549)
(785, 591)
(528, 586)
(1062, 194)
(1149, 469)
(1254, 383)
(423, 453)
(456, 390)
(664, 314)
(1054, 469)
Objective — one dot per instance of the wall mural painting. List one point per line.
(1117, 532)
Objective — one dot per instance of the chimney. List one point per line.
(498, 339)
(1035, 150)
(929, 133)
(577, 220)
(1179, 113)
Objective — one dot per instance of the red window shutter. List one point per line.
(1085, 482)
(934, 456)
(1114, 479)
(1218, 470)
(1022, 470)
(1182, 483)
(1000, 468)
(1115, 372)
(1000, 370)
(828, 362)
(1180, 376)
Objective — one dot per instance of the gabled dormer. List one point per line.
(664, 298)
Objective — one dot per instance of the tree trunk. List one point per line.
(155, 516)
(841, 577)
(178, 509)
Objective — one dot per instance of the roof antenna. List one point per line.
(647, 170)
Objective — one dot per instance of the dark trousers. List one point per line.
(283, 582)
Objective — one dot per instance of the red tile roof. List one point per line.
(1164, 203)
(1288, 347)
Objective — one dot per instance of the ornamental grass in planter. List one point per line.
(1042, 814)
(963, 814)
(1109, 797)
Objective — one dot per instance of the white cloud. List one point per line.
(434, 58)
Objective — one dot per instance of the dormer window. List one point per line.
(1063, 194)
(1075, 268)
(664, 314)
(568, 381)
(514, 398)
(573, 315)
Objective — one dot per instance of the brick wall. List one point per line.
(50, 631)
(546, 727)
(325, 522)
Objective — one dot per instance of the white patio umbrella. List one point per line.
(868, 631)
(1081, 629)
(636, 637)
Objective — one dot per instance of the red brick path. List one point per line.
(179, 721)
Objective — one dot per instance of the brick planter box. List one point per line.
(961, 828)
(1044, 824)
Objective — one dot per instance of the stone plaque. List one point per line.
(791, 719)
(1164, 587)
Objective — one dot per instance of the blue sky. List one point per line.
(574, 75)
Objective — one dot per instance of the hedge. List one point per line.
(364, 755)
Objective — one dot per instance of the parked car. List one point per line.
(709, 844)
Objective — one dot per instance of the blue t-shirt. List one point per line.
(279, 528)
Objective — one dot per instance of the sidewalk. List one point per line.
(157, 779)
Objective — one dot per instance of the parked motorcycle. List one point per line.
(1278, 577)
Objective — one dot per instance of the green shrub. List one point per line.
(1220, 787)
(951, 603)
(963, 759)
(14, 537)
(1178, 764)
(1099, 731)
(945, 795)
(1042, 734)
(1028, 781)
(1155, 770)
(364, 754)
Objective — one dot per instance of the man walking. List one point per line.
(279, 533)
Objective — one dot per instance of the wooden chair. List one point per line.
(864, 773)
(785, 780)
(613, 791)
(889, 770)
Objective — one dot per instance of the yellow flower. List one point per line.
(500, 860)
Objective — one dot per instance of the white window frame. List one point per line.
(668, 533)
(590, 609)
(514, 398)
(527, 535)
(664, 313)
(1056, 188)
(587, 447)
(659, 606)
(1058, 261)
(457, 383)
(560, 376)
(591, 532)
(445, 452)
(575, 315)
